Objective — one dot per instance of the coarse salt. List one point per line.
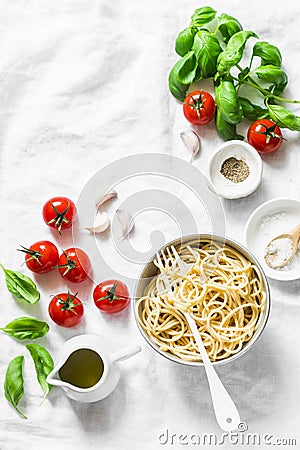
(279, 251)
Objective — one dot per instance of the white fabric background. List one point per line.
(84, 83)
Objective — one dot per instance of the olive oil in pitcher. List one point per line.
(83, 368)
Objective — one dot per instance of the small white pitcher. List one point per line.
(111, 372)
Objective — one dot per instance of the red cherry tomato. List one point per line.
(199, 107)
(59, 212)
(40, 257)
(66, 309)
(111, 296)
(265, 136)
(74, 265)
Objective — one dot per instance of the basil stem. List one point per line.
(43, 363)
(21, 286)
(26, 328)
(14, 384)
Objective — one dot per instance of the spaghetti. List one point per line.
(223, 292)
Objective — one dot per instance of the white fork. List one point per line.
(226, 412)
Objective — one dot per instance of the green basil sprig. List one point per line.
(21, 286)
(43, 363)
(218, 51)
(26, 328)
(14, 384)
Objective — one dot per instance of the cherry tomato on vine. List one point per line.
(59, 213)
(74, 265)
(265, 136)
(111, 296)
(66, 309)
(40, 257)
(199, 107)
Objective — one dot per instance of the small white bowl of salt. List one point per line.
(275, 219)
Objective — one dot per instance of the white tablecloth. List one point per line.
(84, 83)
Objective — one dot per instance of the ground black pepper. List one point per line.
(235, 170)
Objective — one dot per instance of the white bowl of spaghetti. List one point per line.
(225, 291)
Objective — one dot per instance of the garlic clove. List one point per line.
(192, 142)
(101, 224)
(106, 197)
(126, 222)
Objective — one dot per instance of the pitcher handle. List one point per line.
(126, 353)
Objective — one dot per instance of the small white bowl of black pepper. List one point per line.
(235, 170)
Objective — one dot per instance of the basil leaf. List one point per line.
(21, 286)
(43, 364)
(183, 70)
(226, 131)
(14, 384)
(268, 53)
(234, 51)
(252, 111)
(284, 118)
(274, 75)
(26, 328)
(207, 49)
(228, 102)
(203, 16)
(228, 26)
(187, 69)
(184, 41)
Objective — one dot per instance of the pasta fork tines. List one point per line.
(165, 262)
(184, 268)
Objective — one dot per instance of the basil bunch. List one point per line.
(212, 48)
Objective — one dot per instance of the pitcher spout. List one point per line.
(53, 378)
